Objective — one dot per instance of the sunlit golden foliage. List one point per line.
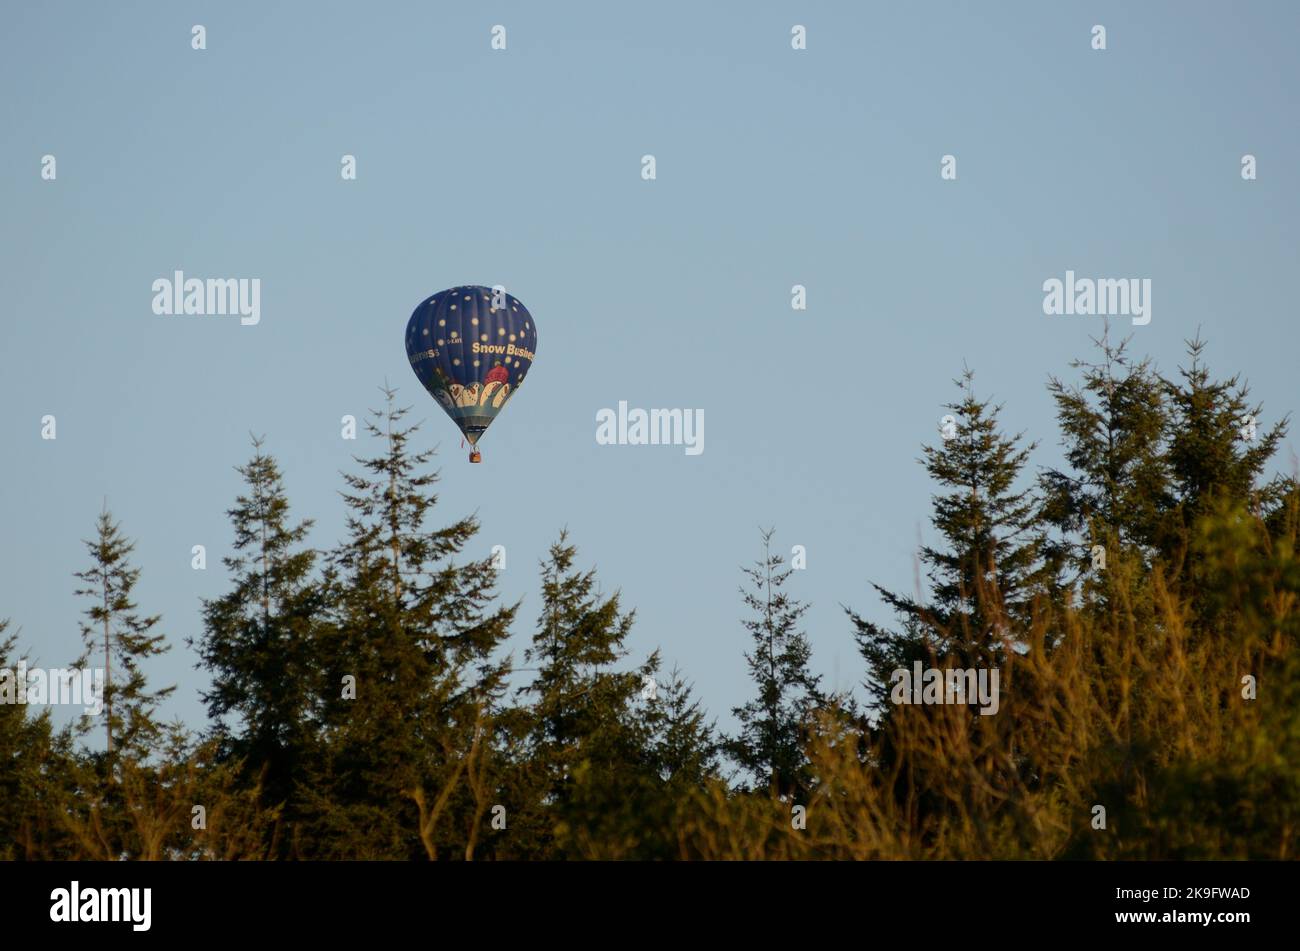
(1140, 707)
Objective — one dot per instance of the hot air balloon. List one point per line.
(471, 347)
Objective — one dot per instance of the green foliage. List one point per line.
(1113, 429)
(990, 567)
(120, 639)
(770, 744)
(360, 703)
(260, 639)
(31, 759)
(579, 745)
(416, 633)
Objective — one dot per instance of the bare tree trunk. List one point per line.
(477, 774)
(108, 692)
(429, 815)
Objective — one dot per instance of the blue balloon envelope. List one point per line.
(471, 347)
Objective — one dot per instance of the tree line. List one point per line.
(1140, 604)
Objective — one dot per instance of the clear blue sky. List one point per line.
(522, 168)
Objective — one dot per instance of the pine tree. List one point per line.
(33, 767)
(684, 744)
(417, 631)
(639, 814)
(1217, 454)
(1113, 428)
(990, 567)
(259, 643)
(123, 640)
(579, 750)
(1149, 456)
(769, 746)
(1218, 449)
(1109, 508)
